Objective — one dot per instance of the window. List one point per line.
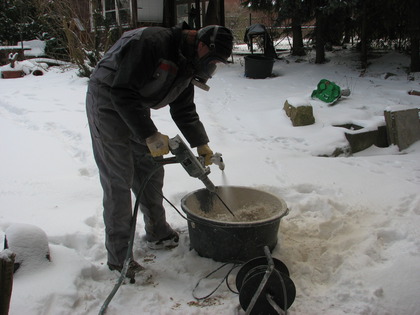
(186, 11)
(117, 12)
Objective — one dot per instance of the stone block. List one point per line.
(403, 127)
(287, 108)
(300, 114)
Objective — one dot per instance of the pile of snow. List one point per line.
(350, 241)
(29, 243)
(27, 66)
(37, 48)
(37, 66)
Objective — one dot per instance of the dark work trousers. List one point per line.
(123, 165)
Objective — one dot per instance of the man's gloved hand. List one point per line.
(158, 144)
(205, 151)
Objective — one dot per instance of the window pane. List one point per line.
(182, 9)
(111, 18)
(109, 5)
(100, 6)
(182, 13)
(124, 4)
(124, 16)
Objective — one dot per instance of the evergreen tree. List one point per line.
(330, 16)
(414, 33)
(18, 21)
(24, 20)
(297, 11)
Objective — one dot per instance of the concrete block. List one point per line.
(403, 127)
(363, 139)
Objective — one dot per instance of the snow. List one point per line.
(298, 101)
(27, 66)
(350, 241)
(29, 243)
(6, 255)
(36, 47)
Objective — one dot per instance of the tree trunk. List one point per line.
(198, 16)
(298, 48)
(348, 27)
(414, 29)
(320, 37)
(364, 38)
(415, 54)
(7, 260)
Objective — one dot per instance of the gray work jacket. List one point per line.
(145, 69)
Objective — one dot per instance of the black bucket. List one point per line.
(217, 234)
(258, 67)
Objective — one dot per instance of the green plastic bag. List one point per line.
(327, 91)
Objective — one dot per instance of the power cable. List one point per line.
(130, 243)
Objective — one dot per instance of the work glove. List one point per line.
(205, 152)
(158, 144)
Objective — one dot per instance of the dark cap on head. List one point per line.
(218, 38)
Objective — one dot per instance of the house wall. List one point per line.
(150, 11)
(236, 17)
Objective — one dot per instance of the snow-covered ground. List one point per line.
(351, 240)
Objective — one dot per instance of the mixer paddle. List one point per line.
(226, 206)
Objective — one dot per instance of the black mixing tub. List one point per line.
(216, 233)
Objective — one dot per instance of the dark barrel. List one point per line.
(216, 234)
(258, 67)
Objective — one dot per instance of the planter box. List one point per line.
(12, 74)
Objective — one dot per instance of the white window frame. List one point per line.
(117, 11)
